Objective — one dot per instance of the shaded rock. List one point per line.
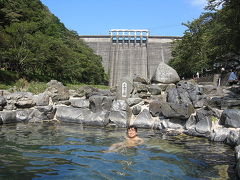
(80, 103)
(100, 103)
(233, 138)
(154, 89)
(133, 101)
(57, 91)
(230, 103)
(140, 79)
(3, 101)
(139, 87)
(86, 91)
(171, 110)
(136, 109)
(165, 74)
(155, 108)
(145, 120)
(230, 118)
(214, 102)
(7, 117)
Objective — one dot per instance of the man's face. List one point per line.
(132, 133)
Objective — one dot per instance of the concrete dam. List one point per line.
(130, 52)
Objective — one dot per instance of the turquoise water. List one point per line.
(60, 151)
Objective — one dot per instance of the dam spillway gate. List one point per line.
(127, 53)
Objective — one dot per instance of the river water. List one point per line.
(70, 151)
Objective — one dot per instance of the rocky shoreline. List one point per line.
(197, 110)
(184, 107)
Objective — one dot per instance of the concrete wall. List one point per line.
(126, 59)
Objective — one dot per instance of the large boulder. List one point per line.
(100, 103)
(119, 118)
(57, 91)
(165, 74)
(145, 120)
(7, 117)
(20, 100)
(71, 114)
(204, 121)
(42, 99)
(186, 93)
(230, 118)
(42, 113)
(155, 108)
(173, 110)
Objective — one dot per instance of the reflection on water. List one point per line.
(60, 151)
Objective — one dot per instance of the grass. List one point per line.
(39, 87)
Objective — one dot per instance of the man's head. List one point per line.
(132, 131)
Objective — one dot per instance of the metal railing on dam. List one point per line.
(130, 53)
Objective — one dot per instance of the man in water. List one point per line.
(132, 140)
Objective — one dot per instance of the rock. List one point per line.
(140, 80)
(230, 103)
(238, 167)
(21, 100)
(139, 87)
(155, 108)
(7, 117)
(3, 101)
(237, 150)
(119, 105)
(119, 118)
(136, 109)
(233, 138)
(86, 91)
(145, 120)
(97, 119)
(42, 113)
(133, 101)
(186, 93)
(154, 89)
(80, 103)
(172, 110)
(209, 89)
(214, 102)
(204, 122)
(219, 135)
(42, 99)
(230, 118)
(57, 91)
(172, 124)
(100, 103)
(165, 74)
(72, 115)
(191, 122)
(23, 115)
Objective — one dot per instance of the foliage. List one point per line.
(37, 46)
(211, 41)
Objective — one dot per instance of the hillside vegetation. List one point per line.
(210, 42)
(35, 45)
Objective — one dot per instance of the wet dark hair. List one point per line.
(132, 126)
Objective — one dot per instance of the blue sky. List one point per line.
(97, 17)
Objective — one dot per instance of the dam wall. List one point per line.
(130, 56)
